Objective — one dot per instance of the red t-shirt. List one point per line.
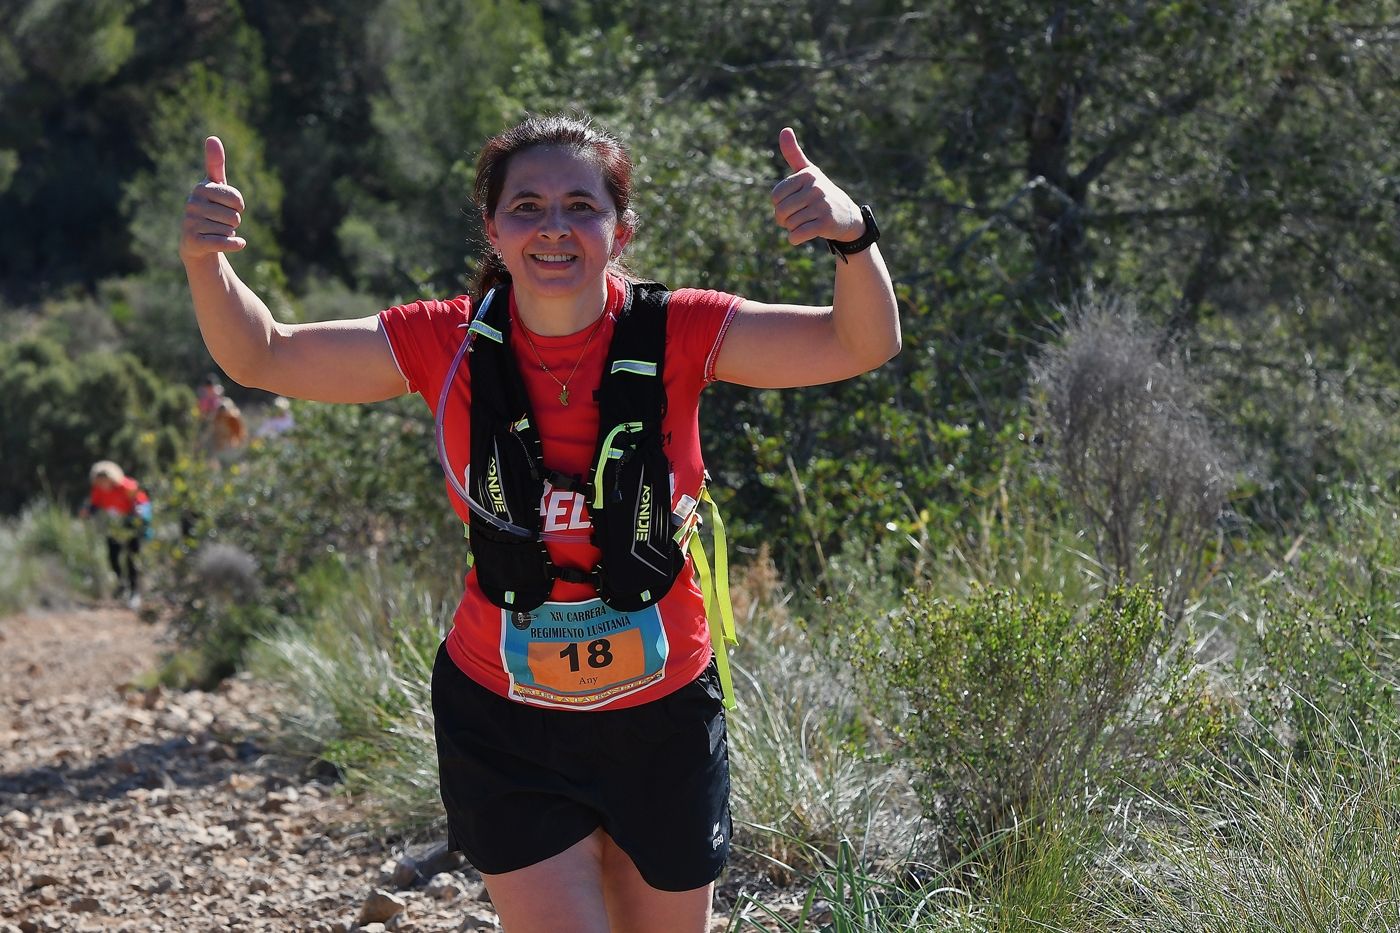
(121, 499)
(424, 337)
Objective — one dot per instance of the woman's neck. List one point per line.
(559, 316)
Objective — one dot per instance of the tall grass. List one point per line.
(845, 896)
(1271, 845)
(1030, 877)
(357, 678)
(1016, 541)
(50, 559)
(811, 773)
(1254, 843)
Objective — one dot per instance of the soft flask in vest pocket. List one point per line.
(513, 572)
(631, 513)
(512, 568)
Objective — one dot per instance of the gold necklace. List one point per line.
(563, 386)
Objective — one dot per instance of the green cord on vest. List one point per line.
(609, 452)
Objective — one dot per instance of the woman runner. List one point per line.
(583, 762)
(125, 509)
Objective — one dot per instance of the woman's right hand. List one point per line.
(213, 211)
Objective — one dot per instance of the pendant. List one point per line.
(564, 396)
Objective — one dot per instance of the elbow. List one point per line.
(871, 359)
(253, 366)
(895, 345)
(888, 351)
(239, 372)
(250, 375)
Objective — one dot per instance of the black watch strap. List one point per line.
(861, 243)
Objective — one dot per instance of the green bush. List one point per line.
(1007, 700)
(348, 486)
(1324, 628)
(1307, 413)
(354, 480)
(58, 415)
(48, 558)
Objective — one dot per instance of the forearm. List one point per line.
(237, 327)
(864, 311)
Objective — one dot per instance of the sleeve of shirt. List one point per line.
(697, 320)
(422, 337)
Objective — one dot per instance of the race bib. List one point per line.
(581, 655)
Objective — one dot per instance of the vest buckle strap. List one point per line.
(567, 482)
(574, 574)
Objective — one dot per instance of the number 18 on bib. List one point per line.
(581, 655)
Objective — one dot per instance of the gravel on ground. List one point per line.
(128, 808)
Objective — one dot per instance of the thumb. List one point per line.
(792, 152)
(214, 160)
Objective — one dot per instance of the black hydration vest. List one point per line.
(628, 488)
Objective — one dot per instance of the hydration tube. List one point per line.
(451, 474)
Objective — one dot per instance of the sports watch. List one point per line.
(860, 243)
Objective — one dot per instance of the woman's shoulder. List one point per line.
(702, 300)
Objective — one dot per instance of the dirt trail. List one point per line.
(128, 810)
(131, 810)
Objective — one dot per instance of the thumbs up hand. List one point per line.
(213, 211)
(809, 205)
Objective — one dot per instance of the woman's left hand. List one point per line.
(809, 205)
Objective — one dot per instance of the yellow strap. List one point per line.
(715, 590)
(726, 606)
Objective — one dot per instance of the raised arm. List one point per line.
(780, 346)
(331, 361)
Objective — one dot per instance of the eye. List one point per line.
(581, 206)
(525, 207)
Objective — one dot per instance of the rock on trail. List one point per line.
(150, 810)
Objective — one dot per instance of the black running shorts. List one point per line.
(523, 783)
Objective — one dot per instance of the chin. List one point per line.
(552, 288)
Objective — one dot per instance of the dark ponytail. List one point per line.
(490, 272)
(576, 132)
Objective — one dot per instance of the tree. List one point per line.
(78, 81)
(58, 415)
(454, 72)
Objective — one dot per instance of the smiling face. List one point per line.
(555, 225)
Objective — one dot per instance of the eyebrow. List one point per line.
(576, 193)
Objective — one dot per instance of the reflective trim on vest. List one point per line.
(486, 330)
(636, 367)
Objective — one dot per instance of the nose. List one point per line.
(555, 223)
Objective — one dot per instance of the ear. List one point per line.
(489, 225)
(622, 233)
